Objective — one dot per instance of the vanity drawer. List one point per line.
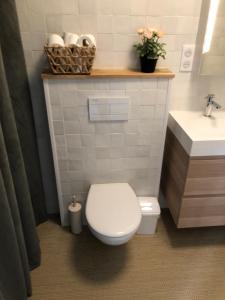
(204, 186)
(203, 168)
(205, 177)
(202, 211)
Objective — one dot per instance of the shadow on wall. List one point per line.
(191, 237)
(101, 263)
(42, 129)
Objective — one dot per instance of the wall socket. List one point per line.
(187, 58)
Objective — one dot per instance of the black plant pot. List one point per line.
(148, 64)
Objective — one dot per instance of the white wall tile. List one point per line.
(147, 84)
(104, 58)
(88, 24)
(117, 127)
(58, 127)
(121, 24)
(116, 152)
(88, 140)
(60, 140)
(52, 6)
(62, 152)
(160, 8)
(86, 126)
(122, 42)
(146, 112)
(137, 22)
(75, 165)
(131, 139)
(54, 23)
(102, 153)
(187, 7)
(105, 24)
(73, 140)
(75, 152)
(139, 7)
(57, 114)
(38, 22)
(121, 7)
(70, 23)
(102, 165)
(154, 21)
(144, 139)
(38, 40)
(63, 164)
(35, 6)
(70, 113)
(148, 97)
(87, 7)
(69, 7)
(117, 140)
(105, 42)
(179, 25)
(105, 7)
(102, 140)
(75, 175)
(72, 127)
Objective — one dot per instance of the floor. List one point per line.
(187, 264)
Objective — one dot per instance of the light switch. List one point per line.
(187, 58)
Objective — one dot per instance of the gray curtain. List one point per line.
(19, 244)
(21, 191)
(16, 76)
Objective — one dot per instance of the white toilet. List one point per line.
(113, 212)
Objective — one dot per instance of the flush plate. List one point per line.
(108, 108)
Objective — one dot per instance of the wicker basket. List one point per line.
(70, 60)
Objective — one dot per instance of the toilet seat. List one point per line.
(112, 210)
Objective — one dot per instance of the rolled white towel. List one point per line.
(87, 40)
(55, 40)
(70, 39)
(66, 37)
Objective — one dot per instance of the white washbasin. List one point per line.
(199, 135)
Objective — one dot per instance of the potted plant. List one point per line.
(150, 48)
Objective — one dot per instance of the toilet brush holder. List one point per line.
(75, 217)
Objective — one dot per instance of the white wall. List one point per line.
(114, 23)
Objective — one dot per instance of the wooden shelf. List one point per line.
(159, 73)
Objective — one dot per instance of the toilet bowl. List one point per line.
(113, 212)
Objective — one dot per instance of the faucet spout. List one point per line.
(210, 105)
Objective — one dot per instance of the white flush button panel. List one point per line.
(187, 58)
(108, 108)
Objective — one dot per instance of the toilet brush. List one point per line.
(75, 216)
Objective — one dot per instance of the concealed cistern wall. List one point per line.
(88, 152)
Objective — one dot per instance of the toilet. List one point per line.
(113, 212)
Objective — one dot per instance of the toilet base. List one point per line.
(112, 241)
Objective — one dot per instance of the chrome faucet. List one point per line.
(210, 105)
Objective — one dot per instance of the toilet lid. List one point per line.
(113, 209)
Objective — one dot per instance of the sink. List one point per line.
(199, 135)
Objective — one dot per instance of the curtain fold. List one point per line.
(17, 81)
(21, 191)
(19, 250)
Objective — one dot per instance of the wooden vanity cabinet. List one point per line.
(194, 187)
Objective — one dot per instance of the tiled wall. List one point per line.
(115, 151)
(114, 23)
